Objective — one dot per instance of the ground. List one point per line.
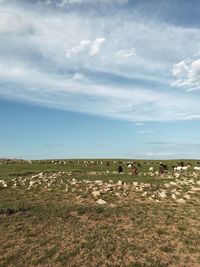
(49, 215)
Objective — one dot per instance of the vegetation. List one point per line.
(54, 227)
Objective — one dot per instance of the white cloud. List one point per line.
(83, 46)
(193, 117)
(92, 48)
(107, 2)
(46, 67)
(96, 46)
(187, 75)
(150, 131)
(139, 123)
(125, 53)
(180, 69)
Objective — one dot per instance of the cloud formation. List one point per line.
(105, 65)
(92, 48)
(64, 3)
(125, 53)
(187, 74)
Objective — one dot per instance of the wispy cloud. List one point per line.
(92, 48)
(125, 53)
(139, 123)
(64, 3)
(63, 58)
(147, 131)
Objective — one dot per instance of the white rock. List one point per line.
(139, 189)
(195, 189)
(187, 196)
(191, 181)
(135, 183)
(181, 201)
(191, 192)
(173, 196)
(176, 174)
(162, 195)
(167, 185)
(173, 184)
(101, 202)
(99, 182)
(173, 190)
(144, 194)
(109, 185)
(96, 194)
(119, 183)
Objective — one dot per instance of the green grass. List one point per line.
(52, 228)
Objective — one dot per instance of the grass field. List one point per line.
(49, 215)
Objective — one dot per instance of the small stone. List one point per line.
(173, 190)
(173, 196)
(173, 184)
(181, 201)
(187, 196)
(119, 183)
(101, 202)
(162, 195)
(96, 194)
(144, 194)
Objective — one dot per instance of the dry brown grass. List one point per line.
(53, 230)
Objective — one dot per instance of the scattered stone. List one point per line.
(173, 184)
(135, 184)
(173, 196)
(186, 196)
(144, 194)
(101, 202)
(119, 183)
(162, 195)
(181, 201)
(96, 194)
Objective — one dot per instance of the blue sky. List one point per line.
(91, 78)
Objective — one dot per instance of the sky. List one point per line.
(100, 79)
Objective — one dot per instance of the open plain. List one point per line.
(85, 213)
